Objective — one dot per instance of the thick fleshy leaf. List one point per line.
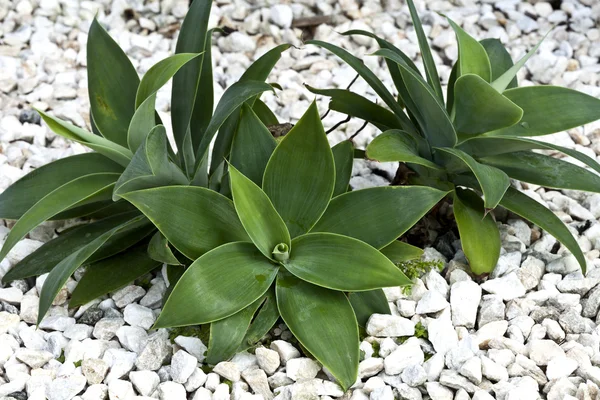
(60, 274)
(429, 111)
(323, 322)
(500, 59)
(257, 214)
(259, 70)
(343, 156)
(300, 176)
(530, 209)
(227, 334)
(380, 214)
(430, 70)
(51, 253)
(24, 193)
(493, 181)
(396, 145)
(368, 303)
(234, 97)
(450, 89)
(355, 105)
(480, 108)
(192, 38)
(264, 113)
(252, 146)
(209, 217)
(398, 252)
(56, 201)
(142, 123)
(479, 234)
(339, 262)
(545, 171)
(115, 152)
(504, 81)
(217, 285)
(358, 65)
(483, 146)
(263, 322)
(159, 250)
(472, 57)
(550, 109)
(112, 85)
(112, 274)
(160, 73)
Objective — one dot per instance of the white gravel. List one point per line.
(530, 331)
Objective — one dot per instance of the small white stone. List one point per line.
(192, 345)
(119, 389)
(542, 351)
(409, 353)
(382, 393)
(228, 370)
(202, 394)
(11, 295)
(438, 391)
(145, 382)
(8, 321)
(95, 392)
(441, 333)
(560, 367)
(471, 369)
(197, 379)
(268, 359)
(183, 365)
(128, 295)
(464, 300)
(282, 15)
(136, 315)
(509, 287)
(132, 338)
(302, 368)
(171, 391)
(65, 387)
(384, 325)
(286, 350)
(94, 370)
(57, 323)
(33, 358)
(414, 375)
(431, 302)
(78, 332)
(370, 367)
(257, 379)
(106, 328)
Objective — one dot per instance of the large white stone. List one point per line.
(464, 300)
(384, 325)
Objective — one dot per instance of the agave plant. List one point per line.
(477, 138)
(130, 152)
(287, 247)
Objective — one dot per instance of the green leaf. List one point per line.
(398, 252)
(142, 123)
(343, 156)
(115, 152)
(300, 176)
(112, 85)
(160, 73)
(24, 193)
(530, 209)
(549, 109)
(227, 334)
(112, 274)
(450, 89)
(209, 217)
(545, 171)
(61, 273)
(192, 38)
(493, 181)
(159, 250)
(258, 71)
(358, 65)
(234, 97)
(396, 145)
(483, 146)
(472, 57)
(507, 78)
(217, 285)
(56, 201)
(263, 322)
(479, 235)
(264, 113)
(368, 303)
(479, 108)
(51, 253)
(339, 262)
(323, 322)
(380, 214)
(500, 60)
(357, 106)
(429, 111)
(430, 70)
(252, 146)
(257, 214)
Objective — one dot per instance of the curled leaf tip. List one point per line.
(281, 252)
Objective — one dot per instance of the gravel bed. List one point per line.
(529, 331)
